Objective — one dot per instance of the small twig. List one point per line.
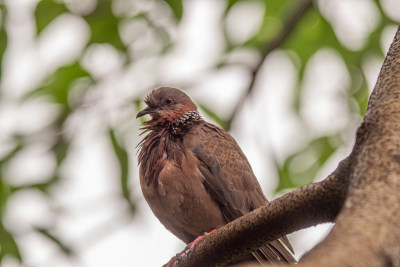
(292, 20)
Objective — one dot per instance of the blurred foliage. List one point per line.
(104, 25)
(67, 250)
(299, 167)
(3, 35)
(42, 15)
(214, 116)
(122, 156)
(8, 245)
(311, 32)
(60, 83)
(177, 8)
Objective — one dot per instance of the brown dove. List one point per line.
(193, 175)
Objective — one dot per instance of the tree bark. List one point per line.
(367, 230)
(362, 197)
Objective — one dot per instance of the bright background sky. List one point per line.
(93, 219)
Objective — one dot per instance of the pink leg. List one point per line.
(189, 248)
(192, 244)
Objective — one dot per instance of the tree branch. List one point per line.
(290, 23)
(361, 195)
(304, 207)
(368, 227)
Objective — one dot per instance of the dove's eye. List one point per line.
(169, 101)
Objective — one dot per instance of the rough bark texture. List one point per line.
(367, 231)
(362, 197)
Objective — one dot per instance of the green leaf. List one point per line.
(4, 193)
(8, 245)
(104, 25)
(220, 121)
(3, 37)
(230, 4)
(3, 46)
(272, 24)
(177, 8)
(61, 150)
(46, 11)
(5, 190)
(123, 160)
(301, 167)
(64, 248)
(59, 84)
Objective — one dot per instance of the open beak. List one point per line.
(145, 111)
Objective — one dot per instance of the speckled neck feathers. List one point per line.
(184, 121)
(164, 141)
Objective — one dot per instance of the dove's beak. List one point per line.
(145, 111)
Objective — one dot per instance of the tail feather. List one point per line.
(261, 258)
(274, 252)
(266, 255)
(285, 241)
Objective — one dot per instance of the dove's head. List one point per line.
(166, 105)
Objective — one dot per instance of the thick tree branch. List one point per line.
(304, 207)
(365, 189)
(368, 227)
(291, 21)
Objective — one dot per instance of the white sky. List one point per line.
(89, 193)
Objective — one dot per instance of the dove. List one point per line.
(193, 174)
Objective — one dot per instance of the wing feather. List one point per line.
(230, 180)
